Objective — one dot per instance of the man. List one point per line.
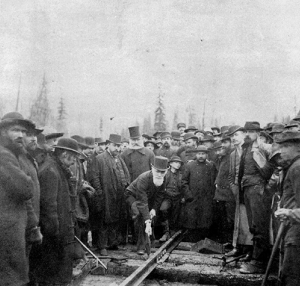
(15, 190)
(254, 173)
(51, 136)
(144, 196)
(293, 125)
(242, 238)
(111, 177)
(166, 150)
(208, 142)
(225, 201)
(181, 127)
(200, 134)
(188, 152)
(175, 143)
(171, 205)
(137, 158)
(100, 145)
(124, 145)
(151, 145)
(198, 183)
(289, 210)
(57, 216)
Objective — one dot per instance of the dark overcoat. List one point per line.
(138, 161)
(165, 152)
(57, 223)
(106, 184)
(15, 189)
(198, 183)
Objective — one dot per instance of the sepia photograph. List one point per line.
(150, 142)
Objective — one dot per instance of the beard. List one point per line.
(136, 145)
(166, 144)
(247, 140)
(158, 181)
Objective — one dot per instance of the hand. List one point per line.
(283, 214)
(134, 210)
(148, 228)
(88, 188)
(182, 200)
(152, 213)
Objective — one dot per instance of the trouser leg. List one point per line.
(139, 225)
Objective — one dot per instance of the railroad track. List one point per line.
(160, 256)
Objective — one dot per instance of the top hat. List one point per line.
(181, 125)
(134, 132)
(252, 125)
(287, 136)
(165, 134)
(234, 128)
(68, 144)
(190, 128)
(175, 135)
(89, 141)
(175, 159)
(16, 118)
(114, 138)
(277, 128)
(189, 135)
(80, 141)
(160, 163)
(208, 138)
(202, 148)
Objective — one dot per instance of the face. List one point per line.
(201, 156)
(237, 138)
(15, 135)
(158, 176)
(289, 151)
(51, 142)
(219, 151)
(200, 135)
(113, 148)
(263, 139)
(208, 144)
(250, 136)
(159, 144)
(30, 141)
(217, 138)
(181, 130)
(175, 165)
(150, 146)
(166, 141)
(136, 142)
(68, 158)
(124, 146)
(226, 145)
(88, 151)
(191, 143)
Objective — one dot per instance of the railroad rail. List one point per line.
(160, 256)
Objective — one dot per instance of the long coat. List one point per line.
(198, 183)
(15, 190)
(138, 161)
(106, 183)
(57, 224)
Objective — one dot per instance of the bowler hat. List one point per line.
(89, 141)
(207, 138)
(292, 123)
(157, 134)
(175, 135)
(189, 135)
(124, 140)
(114, 138)
(234, 128)
(217, 145)
(202, 148)
(146, 136)
(165, 134)
(51, 133)
(160, 163)
(152, 142)
(277, 128)
(208, 129)
(134, 132)
(175, 159)
(287, 136)
(216, 128)
(224, 129)
(199, 131)
(99, 140)
(68, 144)
(225, 137)
(266, 134)
(190, 128)
(297, 118)
(252, 125)
(16, 118)
(80, 141)
(269, 126)
(181, 125)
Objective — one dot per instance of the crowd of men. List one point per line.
(236, 184)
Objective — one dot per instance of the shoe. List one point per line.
(141, 252)
(165, 237)
(252, 267)
(113, 247)
(103, 252)
(234, 253)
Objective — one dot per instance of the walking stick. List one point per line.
(90, 252)
(275, 246)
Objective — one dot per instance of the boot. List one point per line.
(166, 235)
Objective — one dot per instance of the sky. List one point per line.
(110, 58)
